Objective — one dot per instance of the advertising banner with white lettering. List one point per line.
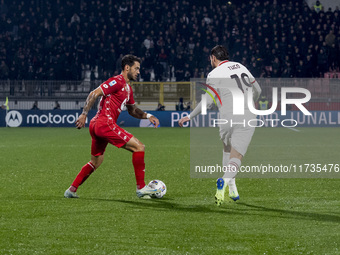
(67, 118)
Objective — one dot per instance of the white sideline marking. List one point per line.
(294, 129)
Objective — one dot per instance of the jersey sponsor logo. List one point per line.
(105, 86)
(13, 119)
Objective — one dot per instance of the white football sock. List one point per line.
(233, 164)
(232, 182)
(226, 157)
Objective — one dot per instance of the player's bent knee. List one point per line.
(227, 148)
(235, 154)
(138, 146)
(134, 145)
(97, 160)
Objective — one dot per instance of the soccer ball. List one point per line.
(157, 184)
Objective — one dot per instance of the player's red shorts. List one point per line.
(104, 132)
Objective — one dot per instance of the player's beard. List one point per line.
(130, 76)
(212, 64)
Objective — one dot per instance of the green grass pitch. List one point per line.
(274, 216)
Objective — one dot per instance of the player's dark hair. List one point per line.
(129, 60)
(220, 52)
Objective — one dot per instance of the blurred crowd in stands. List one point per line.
(60, 39)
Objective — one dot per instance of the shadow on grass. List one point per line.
(236, 208)
(295, 214)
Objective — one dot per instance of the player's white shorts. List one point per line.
(237, 135)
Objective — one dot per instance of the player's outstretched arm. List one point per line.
(193, 114)
(197, 110)
(91, 99)
(134, 111)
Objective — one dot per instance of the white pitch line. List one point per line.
(294, 129)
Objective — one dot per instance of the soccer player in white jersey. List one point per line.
(232, 81)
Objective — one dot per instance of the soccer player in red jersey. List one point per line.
(116, 93)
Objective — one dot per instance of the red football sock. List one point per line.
(139, 165)
(85, 172)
